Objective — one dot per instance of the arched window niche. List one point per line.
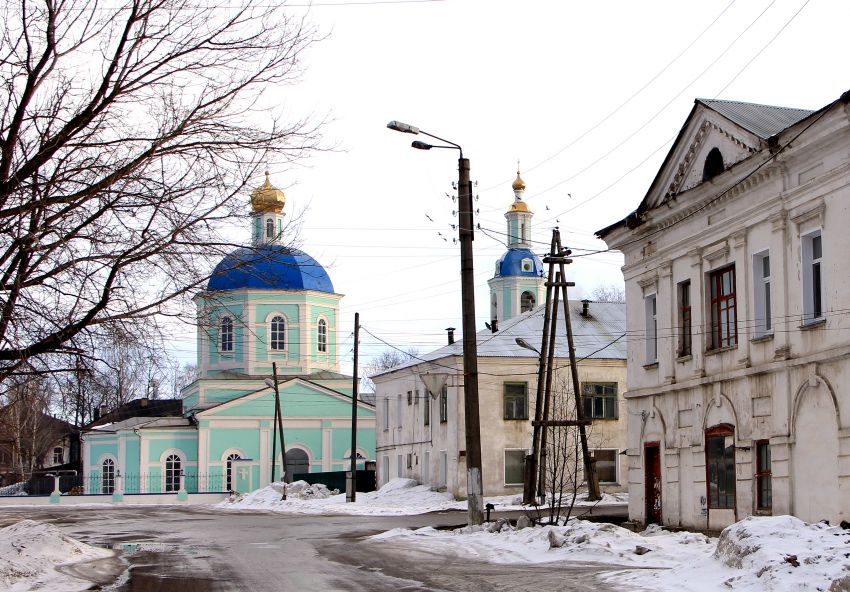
(713, 165)
(526, 302)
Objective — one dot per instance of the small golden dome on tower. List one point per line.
(267, 198)
(519, 206)
(518, 184)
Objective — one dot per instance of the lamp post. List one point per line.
(474, 487)
(532, 460)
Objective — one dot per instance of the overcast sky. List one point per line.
(588, 96)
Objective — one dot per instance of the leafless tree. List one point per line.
(609, 293)
(26, 428)
(129, 132)
(389, 358)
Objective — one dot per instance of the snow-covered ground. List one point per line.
(396, 498)
(30, 553)
(758, 554)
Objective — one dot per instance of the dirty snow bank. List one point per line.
(30, 551)
(764, 553)
(758, 554)
(579, 540)
(398, 497)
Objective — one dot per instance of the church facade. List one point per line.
(267, 306)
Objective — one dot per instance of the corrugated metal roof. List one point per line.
(599, 336)
(762, 120)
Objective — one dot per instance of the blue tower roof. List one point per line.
(511, 264)
(270, 267)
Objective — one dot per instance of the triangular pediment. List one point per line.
(684, 168)
(299, 398)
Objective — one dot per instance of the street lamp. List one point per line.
(530, 487)
(474, 486)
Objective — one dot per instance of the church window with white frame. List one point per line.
(322, 336)
(228, 470)
(107, 476)
(173, 469)
(277, 332)
(225, 335)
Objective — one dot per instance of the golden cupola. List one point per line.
(267, 198)
(519, 188)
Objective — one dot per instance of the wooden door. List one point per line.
(652, 481)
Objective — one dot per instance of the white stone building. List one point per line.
(422, 437)
(738, 293)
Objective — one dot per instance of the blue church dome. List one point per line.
(519, 262)
(270, 267)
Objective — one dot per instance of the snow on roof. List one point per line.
(597, 336)
(141, 423)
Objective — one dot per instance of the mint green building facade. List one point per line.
(264, 305)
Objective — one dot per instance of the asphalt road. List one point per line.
(185, 549)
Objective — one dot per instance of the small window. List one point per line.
(812, 278)
(269, 228)
(684, 294)
(444, 404)
(278, 333)
(399, 412)
(514, 466)
(226, 334)
(527, 266)
(599, 400)
(173, 469)
(58, 456)
(761, 294)
(229, 470)
(649, 304)
(107, 476)
(720, 467)
(764, 488)
(722, 304)
(410, 397)
(409, 460)
(526, 302)
(426, 409)
(606, 465)
(516, 400)
(322, 341)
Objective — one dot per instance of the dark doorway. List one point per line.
(652, 480)
(296, 462)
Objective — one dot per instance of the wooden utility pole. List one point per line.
(555, 291)
(355, 387)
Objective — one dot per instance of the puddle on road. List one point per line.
(163, 567)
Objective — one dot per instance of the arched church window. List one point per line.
(322, 336)
(173, 466)
(269, 228)
(229, 470)
(278, 333)
(107, 476)
(713, 165)
(526, 302)
(226, 335)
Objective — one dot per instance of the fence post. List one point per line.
(118, 490)
(182, 494)
(55, 495)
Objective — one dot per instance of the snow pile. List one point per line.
(303, 490)
(396, 498)
(579, 540)
(30, 551)
(14, 489)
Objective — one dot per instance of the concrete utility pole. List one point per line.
(474, 481)
(351, 494)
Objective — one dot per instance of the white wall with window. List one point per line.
(751, 222)
(813, 282)
(650, 308)
(763, 321)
